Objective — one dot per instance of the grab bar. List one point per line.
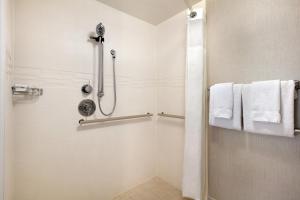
(162, 114)
(93, 121)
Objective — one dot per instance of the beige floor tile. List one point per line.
(155, 189)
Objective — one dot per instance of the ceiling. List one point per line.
(152, 11)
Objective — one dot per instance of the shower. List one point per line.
(100, 30)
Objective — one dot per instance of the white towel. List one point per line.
(236, 121)
(286, 127)
(265, 98)
(222, 97)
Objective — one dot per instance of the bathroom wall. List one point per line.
(253, 40)
(7, 14)
(54, 157)
(171, 54)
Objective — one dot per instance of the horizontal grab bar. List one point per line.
(93, 121)
(162, 114)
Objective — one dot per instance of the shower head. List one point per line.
(100, 30)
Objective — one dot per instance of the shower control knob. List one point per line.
(87, 89)
(87, 107)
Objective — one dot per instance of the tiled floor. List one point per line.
(155, 189)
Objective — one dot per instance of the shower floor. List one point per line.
(155, 189)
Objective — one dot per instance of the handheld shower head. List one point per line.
(113, 53)
(100, 30)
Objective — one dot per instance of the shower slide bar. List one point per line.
(111, 119)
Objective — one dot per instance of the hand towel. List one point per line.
(222, 100)
(265, 101)
(236, 121)
(285, 127)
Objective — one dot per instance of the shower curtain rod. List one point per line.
(94, 121)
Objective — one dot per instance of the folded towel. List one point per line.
(236, 121)
(222, 100)
(265, 101)
(286, 127)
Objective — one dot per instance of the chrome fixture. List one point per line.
(162, 114)
(25, 90)
(193, 14)
(85, 122)
(113, 53)
(87, 89)
(100, 30)
(87, 107)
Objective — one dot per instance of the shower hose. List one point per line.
(114, 82)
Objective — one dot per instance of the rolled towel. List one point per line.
(285, 127)
(265, 101)
(222, 100)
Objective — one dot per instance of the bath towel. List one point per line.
(265, 101)
(285, 127)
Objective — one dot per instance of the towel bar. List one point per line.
(93, 121)
(297, 85)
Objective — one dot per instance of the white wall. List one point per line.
(54, 158)
(6, 79)
(253, 40)
(171, 59)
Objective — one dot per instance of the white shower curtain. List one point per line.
(194, 169)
